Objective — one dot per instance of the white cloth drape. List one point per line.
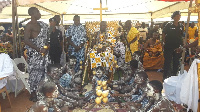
(6, 68)
(172, 87)
(189, 90)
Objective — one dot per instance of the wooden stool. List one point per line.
(5, 90)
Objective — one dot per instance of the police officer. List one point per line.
(172, 39)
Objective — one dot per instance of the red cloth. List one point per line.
(173, 0)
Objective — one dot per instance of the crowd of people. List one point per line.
(58, 88)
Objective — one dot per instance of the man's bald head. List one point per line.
(103, 26)
(128, 24)
(34, 13)
(31, 10)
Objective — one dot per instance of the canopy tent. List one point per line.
(143, 10)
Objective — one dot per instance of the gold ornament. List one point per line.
(105, 88)
(105, 100)
(104, 83)
(94, 72)
(105, 93)
(98, 92)
(45, 47)
(98, 100)
(99, 82)
(81, 62)
(98, 87)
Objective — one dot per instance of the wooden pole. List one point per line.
(185, 40)
(62, 19)
(100, 10)
(14, 9)
(197, 2)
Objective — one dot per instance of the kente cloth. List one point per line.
(78, 36)
(37, 62)
(132, 34)
(189, 94)
(153, 57)
(191, 32)
(105, 37)
(6, 68)
(105, 59)
(120, 49)
(163, 105)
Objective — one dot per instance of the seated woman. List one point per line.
(160, 103)
(50, 103)
(153, 55)
(138, 92)
(54, 73)
(71, 81)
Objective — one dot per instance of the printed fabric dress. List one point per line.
(120, 49)
(37, 62)
(78, 36)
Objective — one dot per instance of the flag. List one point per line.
(25, 2)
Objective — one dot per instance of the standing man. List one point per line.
(143, 31)
(56, 38)
(35, 38)
(76, 37)
(172, 39)
(192, 32)
(132, 39)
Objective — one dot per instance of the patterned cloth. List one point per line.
(120, 49)
(78, 36)
(37, 62)
(65, 80)
(163, 105)
(105, 37)
(138, 96)
(105, 59)
(153, 57)
(132, 34)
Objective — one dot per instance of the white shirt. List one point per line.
(6, 68)
(143, 33)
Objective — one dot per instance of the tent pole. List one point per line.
(151, 17)
(13, 26)
(185, 40)
(62, 20)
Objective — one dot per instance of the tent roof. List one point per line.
(117, 9)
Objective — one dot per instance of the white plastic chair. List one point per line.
(21, 75)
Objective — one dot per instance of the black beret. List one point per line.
(175, 13)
